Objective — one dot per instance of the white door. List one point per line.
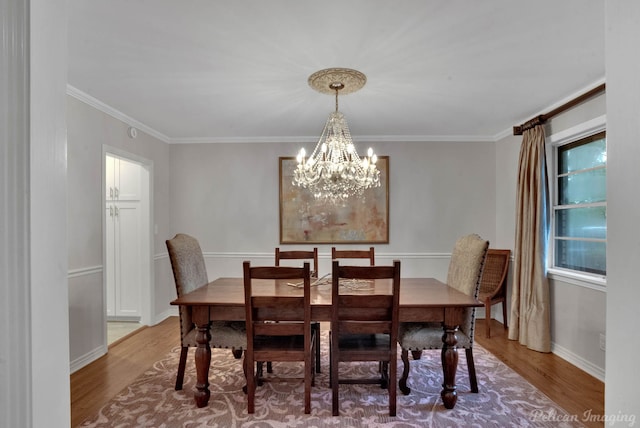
(125, 269)
(128, 266)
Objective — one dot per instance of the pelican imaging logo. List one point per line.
(541, 415)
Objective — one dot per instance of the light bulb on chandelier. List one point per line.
(334, 171)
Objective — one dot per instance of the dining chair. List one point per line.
(189, 273)
(364, 327)
(354, 254)
(290, 338)
(465, 271)
(311, 255)
(493, 285)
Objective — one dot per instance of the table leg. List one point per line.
(449, 366)
(203, 355)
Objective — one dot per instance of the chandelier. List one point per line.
(334, 171)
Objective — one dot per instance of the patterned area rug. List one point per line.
(505, 398)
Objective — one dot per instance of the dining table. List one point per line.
(421, 300)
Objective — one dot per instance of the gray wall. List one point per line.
(227, 196)
(88, 130)
(622, 395)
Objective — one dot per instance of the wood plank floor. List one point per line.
(94, 385)
(573, 389)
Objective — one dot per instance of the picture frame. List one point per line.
(307, 220)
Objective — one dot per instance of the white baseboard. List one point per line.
(171, 312)
(576, 360)
(87, 358)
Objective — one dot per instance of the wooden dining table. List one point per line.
(421, 300)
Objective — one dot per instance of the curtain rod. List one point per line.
(541, 119)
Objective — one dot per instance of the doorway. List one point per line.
(127, 241)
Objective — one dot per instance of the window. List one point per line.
(579, 215)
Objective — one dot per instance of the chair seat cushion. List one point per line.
(418, 336)
(224, 334)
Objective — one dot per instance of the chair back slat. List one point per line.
(279, 329)
(354, 254)
(368, 327)
(310, 255)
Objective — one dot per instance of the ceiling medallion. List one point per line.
(324, 81)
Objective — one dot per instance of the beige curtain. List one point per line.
(530, 311)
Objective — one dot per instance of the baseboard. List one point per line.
(171, 312)
(87, 358)
(576, 360)
(123, 319)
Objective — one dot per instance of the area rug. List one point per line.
(505, 398)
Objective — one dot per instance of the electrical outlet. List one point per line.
(603, 341)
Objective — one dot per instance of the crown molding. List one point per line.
(358, 139)
(88, 99)
(99, 105)
(551, 107)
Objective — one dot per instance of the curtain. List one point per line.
(530, 309)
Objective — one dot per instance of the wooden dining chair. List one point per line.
(465, 271)
(189, 273)
(310, 255)
(289, 339)
(493, 285)
(364, 327)
(354, 254)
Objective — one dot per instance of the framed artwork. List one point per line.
(307, 220)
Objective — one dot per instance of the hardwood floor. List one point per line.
(95, 384)
(573, 389)
(92, 386)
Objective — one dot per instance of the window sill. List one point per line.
(594, 282)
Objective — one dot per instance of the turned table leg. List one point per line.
(203, 355)
(449, 366)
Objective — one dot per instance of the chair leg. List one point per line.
(237, 353)
(181, 367)
(251, 383)
(487, 317)
(333, 379)
(405, 373)
(244, 370)
(472, 370)
(313, 359)
(260, 372)
(504, 312)
(384, 374)
(330, 364)
(393, 391)
(416, 354)
(316, 327)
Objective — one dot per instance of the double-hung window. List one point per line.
(579, 212)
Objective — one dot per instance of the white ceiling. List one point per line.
(236, 70)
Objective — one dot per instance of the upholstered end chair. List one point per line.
(465, 272)
(190, 272)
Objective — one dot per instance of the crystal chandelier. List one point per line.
(334, 171)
